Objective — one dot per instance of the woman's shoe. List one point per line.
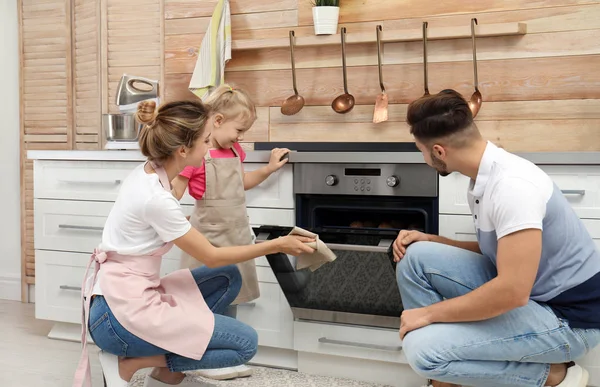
(217, 373)
(151, 382)
(110, 370)
(243, 371)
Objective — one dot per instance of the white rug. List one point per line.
(271, 377)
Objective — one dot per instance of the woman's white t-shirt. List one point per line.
(144, 217)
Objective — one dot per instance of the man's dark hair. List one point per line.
(439, 116)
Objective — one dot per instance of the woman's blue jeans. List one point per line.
(233, 342)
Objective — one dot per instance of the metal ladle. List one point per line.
(426, 81)
(476, 99)
(295, 103)
(345, 102)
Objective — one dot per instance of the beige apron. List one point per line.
(222, 218)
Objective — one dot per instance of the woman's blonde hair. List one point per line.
(170, 127)
(232, 103)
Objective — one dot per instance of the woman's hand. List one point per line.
(295, 245)
(276, 161)
(405, 238)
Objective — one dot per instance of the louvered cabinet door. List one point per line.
(134, 45)
(87, 75)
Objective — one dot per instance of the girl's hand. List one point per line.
(295, 245)
(277, 161)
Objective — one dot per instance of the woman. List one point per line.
(174, 323)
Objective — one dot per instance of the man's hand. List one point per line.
(413, 319)
(405, 238)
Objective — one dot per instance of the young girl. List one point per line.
(219, 189)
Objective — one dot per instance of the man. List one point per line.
(515, 307)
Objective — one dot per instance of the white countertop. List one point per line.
(541, 158)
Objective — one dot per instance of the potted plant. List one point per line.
(325, 16)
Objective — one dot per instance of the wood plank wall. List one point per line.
(541, 91)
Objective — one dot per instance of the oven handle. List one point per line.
(325, 340)
(383, 247)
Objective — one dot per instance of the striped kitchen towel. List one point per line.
(215, 52)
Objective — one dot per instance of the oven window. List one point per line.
(369, 218)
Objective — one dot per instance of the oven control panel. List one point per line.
(366, 179)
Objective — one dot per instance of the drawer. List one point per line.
(80, 180)
(348, 341)
(453, 194)
(271, 317)
(581, 186)
(593, 227)
(271, 217)
(58, 280)
(74, 226)
(457, 227)
(275, 192)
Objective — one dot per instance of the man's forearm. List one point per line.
(466, 245)
(488, 301)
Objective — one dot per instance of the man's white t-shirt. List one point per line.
(144, 217)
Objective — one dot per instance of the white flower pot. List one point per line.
(326, 20)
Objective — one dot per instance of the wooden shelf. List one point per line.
(387, 36)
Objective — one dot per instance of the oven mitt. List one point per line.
(321, 256)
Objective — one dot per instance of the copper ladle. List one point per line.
(295, 103)
(426, 82)
(476, 100)
(345, 102)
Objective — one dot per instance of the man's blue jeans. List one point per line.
(513, 349)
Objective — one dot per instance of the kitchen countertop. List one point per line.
(541, 158)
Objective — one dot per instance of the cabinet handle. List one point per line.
(111, 182)
(75, 227)
(67, 287)
(579, 192)
(249, 304)
(325, 340)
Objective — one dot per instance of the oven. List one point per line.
(357, 210)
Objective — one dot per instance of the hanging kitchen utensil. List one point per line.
(381, 103)
(476, 99)
(345, 102)
(426, 81)
(130, 92)
(295, 103)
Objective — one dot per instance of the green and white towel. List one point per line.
(215, 52)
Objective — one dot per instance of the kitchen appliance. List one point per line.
(120, 127)
(121, 131)
(133, 89)
(357, 210)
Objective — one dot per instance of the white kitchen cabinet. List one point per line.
(80, 180)
(453, 194)
(457, 227)
(581, 186)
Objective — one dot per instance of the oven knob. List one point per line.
(331, 180)
(393, 181)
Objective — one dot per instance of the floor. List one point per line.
(29, 359)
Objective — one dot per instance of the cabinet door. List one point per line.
(453, 194)
(458, 227)
(270, 315)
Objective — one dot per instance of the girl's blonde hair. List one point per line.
(232, 103)
(172, 126)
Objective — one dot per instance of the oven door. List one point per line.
(358, 288)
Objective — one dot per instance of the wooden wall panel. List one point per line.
(368, 10)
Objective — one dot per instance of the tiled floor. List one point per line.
(29, 359)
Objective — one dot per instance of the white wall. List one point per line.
(10, 222)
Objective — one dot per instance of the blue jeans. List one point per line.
(233, 342)
(513, 349)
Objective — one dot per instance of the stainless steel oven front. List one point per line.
(357, 210)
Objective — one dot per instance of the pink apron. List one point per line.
(169, 312)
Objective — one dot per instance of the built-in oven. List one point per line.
(357, 210)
